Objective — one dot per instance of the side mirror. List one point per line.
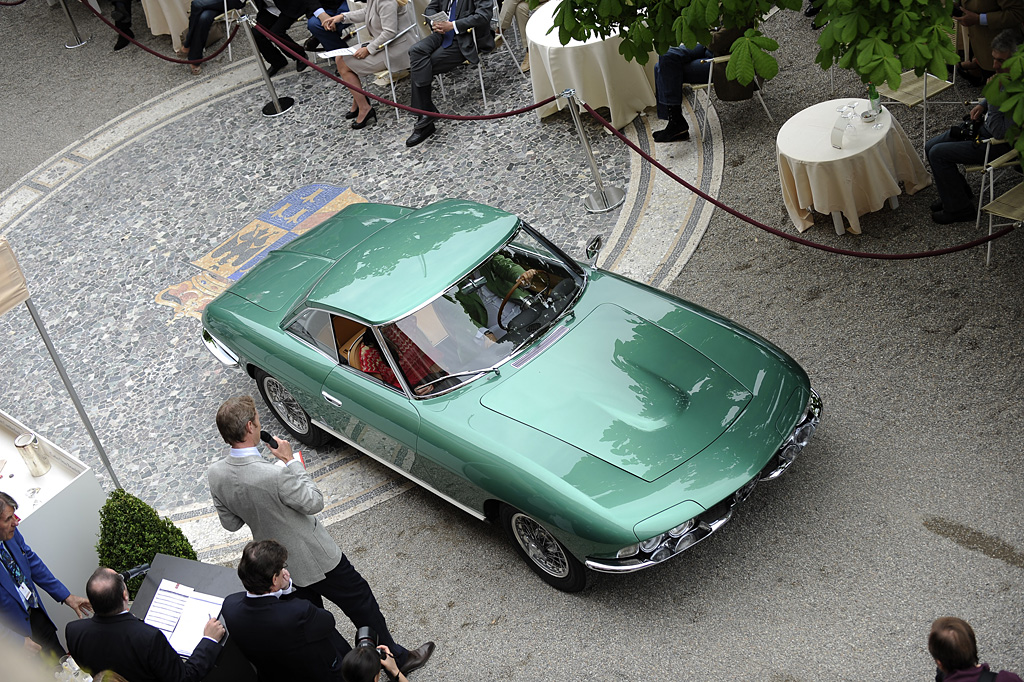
(594, 248)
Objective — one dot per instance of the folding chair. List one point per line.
(709, 86)
(916, 90)
(479, 71)
(1007, 205)
(496, 26)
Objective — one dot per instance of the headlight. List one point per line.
(651, 544)
(682, 529)
(626, 552)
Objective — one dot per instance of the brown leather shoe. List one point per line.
(417, 658)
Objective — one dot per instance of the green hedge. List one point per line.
(132, 533)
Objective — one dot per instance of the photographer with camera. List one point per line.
(364, 663)
(962, 145)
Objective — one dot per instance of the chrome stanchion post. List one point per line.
(605, 198)
(74, 29)
(277, 105)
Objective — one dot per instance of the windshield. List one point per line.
(509, 299)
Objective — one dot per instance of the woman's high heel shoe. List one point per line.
(349, 115)
(370, 118)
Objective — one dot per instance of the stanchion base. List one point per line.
(599, 202)
(270, 111)
(72, 47)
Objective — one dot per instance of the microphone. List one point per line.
(268, 439)
(135, 572)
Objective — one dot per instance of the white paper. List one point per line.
(199, 609)
(181, 613)
(341, 52)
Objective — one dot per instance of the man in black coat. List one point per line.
(286, 638)
(116, 640)
(451, 43)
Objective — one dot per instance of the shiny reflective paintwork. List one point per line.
(647, 410)
(384, 277)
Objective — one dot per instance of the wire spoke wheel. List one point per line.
(543, 552)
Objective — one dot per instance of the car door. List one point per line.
(367, 413)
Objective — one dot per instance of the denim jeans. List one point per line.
(677, 66)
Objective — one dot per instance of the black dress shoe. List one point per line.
(673, 132)
(301, 66)
(812, 10)
(418, 135)
(417, 657)
(123, 42)
(311, 43)
(936, 206)
(274, 69)
(947, 218)
(370, 118)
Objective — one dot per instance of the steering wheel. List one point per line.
(501, 308)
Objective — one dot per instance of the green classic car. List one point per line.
(603, 423)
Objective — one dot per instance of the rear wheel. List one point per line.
(288, 411)
(543, 552)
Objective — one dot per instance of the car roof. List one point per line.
(396, 269)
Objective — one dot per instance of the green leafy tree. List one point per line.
(655, 25)
(1006, 92)
(132, 533)
(880, 39)
(877, 39)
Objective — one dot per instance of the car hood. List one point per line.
(626, 391)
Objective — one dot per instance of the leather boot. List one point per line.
(677, 128)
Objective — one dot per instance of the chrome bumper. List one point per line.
(219, 350)
(721, 513)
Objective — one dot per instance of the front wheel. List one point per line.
(543, 552)
(288, 411)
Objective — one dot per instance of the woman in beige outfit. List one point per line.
(520, 10)
(384, 20)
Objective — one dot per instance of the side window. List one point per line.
(314, 327)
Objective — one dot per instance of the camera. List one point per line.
(970, 129)
(367, 637)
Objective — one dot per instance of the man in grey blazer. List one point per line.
(279, 503)
(450, 44)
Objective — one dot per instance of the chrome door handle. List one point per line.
(330, 398)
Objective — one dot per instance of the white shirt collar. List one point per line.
(278, 593)
(244, 452)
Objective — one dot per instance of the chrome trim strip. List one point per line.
(219, 350)
(403, 472)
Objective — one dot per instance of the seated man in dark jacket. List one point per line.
(285, 638)
(116, 640)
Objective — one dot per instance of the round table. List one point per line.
(851, 181)
(594, 68)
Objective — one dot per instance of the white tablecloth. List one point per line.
(600, 75)
(167, 17)
(856, 179)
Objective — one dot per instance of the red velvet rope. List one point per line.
(383, 100)
(779, 233)
(154, 52)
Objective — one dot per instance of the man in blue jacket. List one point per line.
(24, 620)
